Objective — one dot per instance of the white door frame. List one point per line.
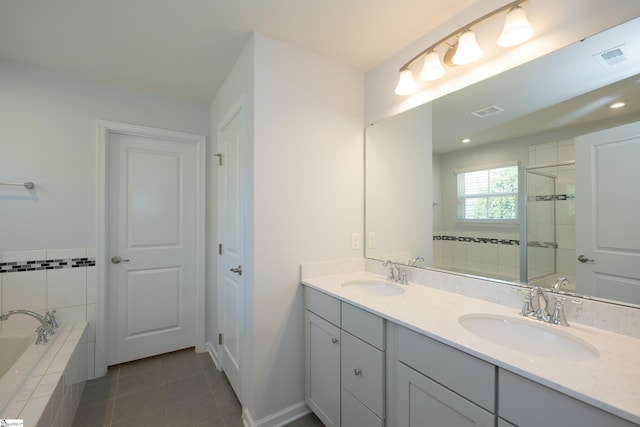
(104, 129)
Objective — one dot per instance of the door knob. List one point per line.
(117, 260)
(237, 270)
(584, 258)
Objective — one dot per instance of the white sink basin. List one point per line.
(529, 337)
(378, 288)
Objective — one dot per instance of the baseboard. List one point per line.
(277, 419)
(211, 349)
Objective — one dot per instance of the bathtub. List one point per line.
(42, 384)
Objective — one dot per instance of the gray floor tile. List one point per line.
(96, 414)
(139, 403)
(140, 381)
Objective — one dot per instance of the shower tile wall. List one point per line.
(67, 285)
(557, 152)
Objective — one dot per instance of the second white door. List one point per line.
(608, 209)
(231, 231)
(153, 275)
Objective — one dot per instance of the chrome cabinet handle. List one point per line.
(117, 260)
(237, 270)
(334, 340)
(357, 371)
(584, 258)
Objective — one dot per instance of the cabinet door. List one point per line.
(422, 402)
(322, 369)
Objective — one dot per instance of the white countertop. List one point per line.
(610, 382)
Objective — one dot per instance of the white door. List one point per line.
(231, 232)
(153, 217)
(607, 214)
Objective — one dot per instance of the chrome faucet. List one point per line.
(560, 282)
(414, 261)
(535, 306)
(48, 323)
(396, 273)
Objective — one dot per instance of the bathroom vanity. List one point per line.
(383, 354)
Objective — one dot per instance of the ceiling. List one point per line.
(565, 93)
(186, 48)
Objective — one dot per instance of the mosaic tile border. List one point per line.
(46, 264)
(479, 240)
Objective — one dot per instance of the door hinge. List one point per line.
(219, 339)
(219, 248)
(219, 156)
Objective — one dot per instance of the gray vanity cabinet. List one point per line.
(525, 403)
(322, 356)
(344, 362)
(437, 385)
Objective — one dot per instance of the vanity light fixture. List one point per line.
(465, 49)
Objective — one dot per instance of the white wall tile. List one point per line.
(66, 253)
(66, 287)
(16, 256)
(92, 284)
(566, 150)
(24, 290)
(91, 318)
(71, 314)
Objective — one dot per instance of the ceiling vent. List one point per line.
(487, 111)
(612, 57)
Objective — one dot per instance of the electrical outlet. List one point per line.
(371, 240)
(355, 241)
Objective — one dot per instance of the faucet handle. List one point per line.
(43, 334)
(50, 317)
(558, 317)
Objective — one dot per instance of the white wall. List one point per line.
(398, 204)
(557, 23)
(303, 199)
(48, 136)
(308, 199)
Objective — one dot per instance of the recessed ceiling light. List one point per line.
(465, 140)
(619, 104)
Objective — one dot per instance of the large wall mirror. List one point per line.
(510, 204)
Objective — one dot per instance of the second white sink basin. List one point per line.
(373, 287)
(527, 336)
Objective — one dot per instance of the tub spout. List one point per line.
(46, 327)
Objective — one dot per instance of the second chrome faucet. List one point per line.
(396, 272)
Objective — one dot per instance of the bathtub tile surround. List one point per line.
(51, 394)
(53, 279)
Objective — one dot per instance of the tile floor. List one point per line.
(180, 388)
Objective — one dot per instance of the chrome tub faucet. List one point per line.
(48, 323)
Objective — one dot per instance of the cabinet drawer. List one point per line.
(323, 305)
(468, 376)
(516, 395)
(364, 325)
(355, 414)
(362, 372)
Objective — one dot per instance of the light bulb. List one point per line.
(432, 69)
(468, 50)
(406, 84)
(516, 28)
